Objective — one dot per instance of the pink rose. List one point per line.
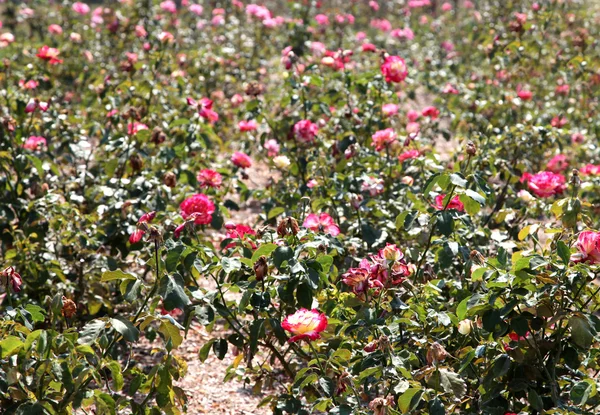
(394, 69)
(558, 163)
(241, 160)
(545, 184)
(454, 203)
(305, 325)
(199, 208)
(305, 131)
(209, 178)
(383, 138)
(321, 223)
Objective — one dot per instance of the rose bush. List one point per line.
(388, 207)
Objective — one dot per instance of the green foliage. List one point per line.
(455, 264)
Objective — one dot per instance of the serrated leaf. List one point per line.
(91, 331)
(451, 382)
(231, 264)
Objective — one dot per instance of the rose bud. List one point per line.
(471, 148)
(464, 327)
(261, 268)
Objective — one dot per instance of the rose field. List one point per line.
(347, 207)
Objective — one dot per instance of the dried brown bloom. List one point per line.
(158, 136)
(436, 353)
(288, 226)
(136, 162)
(477, 258)
(379, 405)
(254, 89)
(155, 235)
(69, 307)
(170, 179)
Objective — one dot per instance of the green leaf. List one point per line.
(172, 292)
(31, 409)
(9, 346)
(91, 331)
(203, 353)
(231, 264)
(582, 391)
(445, 223)
(37, 312)
(406, 399)
(327, 385)
(535, 401)
(369, 234)
(563, 252)
(369, 372)
(451, 382)
(273, 213)
(458, 180)
(304, 296)
(410, 219)
(282, 254)
(178, 122)
(85, 349)
(430, 183)
(116, 373)
(309, 379)
(171, 332)
(461, 310)
(581, 331)
(520, 325)
(341, 355)
(400, 220)
(436, 407)
(471, 206)
(131, 289)
(125, 328)
(501, 365)
(173, 257)
(117, 275)
(475, 196)
(264, 249)
(220, 348)
(37, 163)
